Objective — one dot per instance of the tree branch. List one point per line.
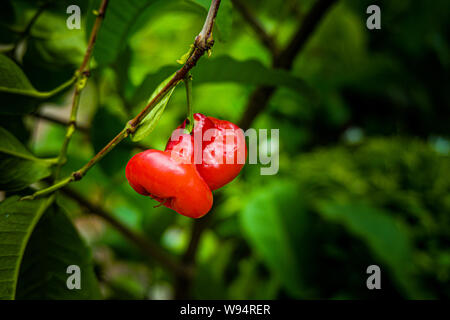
(284, 60)
(152, 250)
(82, 76)
(203, 42)
(267, 39)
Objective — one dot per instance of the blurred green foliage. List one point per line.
(364, 151)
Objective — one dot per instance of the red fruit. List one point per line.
(221, 154)
(176, 185)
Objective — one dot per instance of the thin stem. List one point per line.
(81, 83)
(69, 132)
(152, 250)
(200, 48)
(50, 189)
(188, 85)
(205, 36)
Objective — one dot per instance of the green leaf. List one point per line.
(228, 69)
(18, 167)
(148, 124)
(53, 246)
(386, 237)
(12, 78)
(16, 91)
(17, 220)
(123, 18)
(275, 225)
(54, 52)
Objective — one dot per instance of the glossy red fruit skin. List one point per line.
(216, 173)
(176, 185)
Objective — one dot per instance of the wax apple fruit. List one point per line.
(176, 185)
(220, 147)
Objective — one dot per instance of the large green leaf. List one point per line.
(228, 69)
(53, 246)
(275, 225)
(383, 234)
(122, 19)
(150, 121)
(17, 220)
(19, 167)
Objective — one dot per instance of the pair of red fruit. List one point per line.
(183, 176)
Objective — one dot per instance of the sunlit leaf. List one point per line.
(148, 124)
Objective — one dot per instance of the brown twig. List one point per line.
(152, 250)
(267, 39)
(284, 60)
